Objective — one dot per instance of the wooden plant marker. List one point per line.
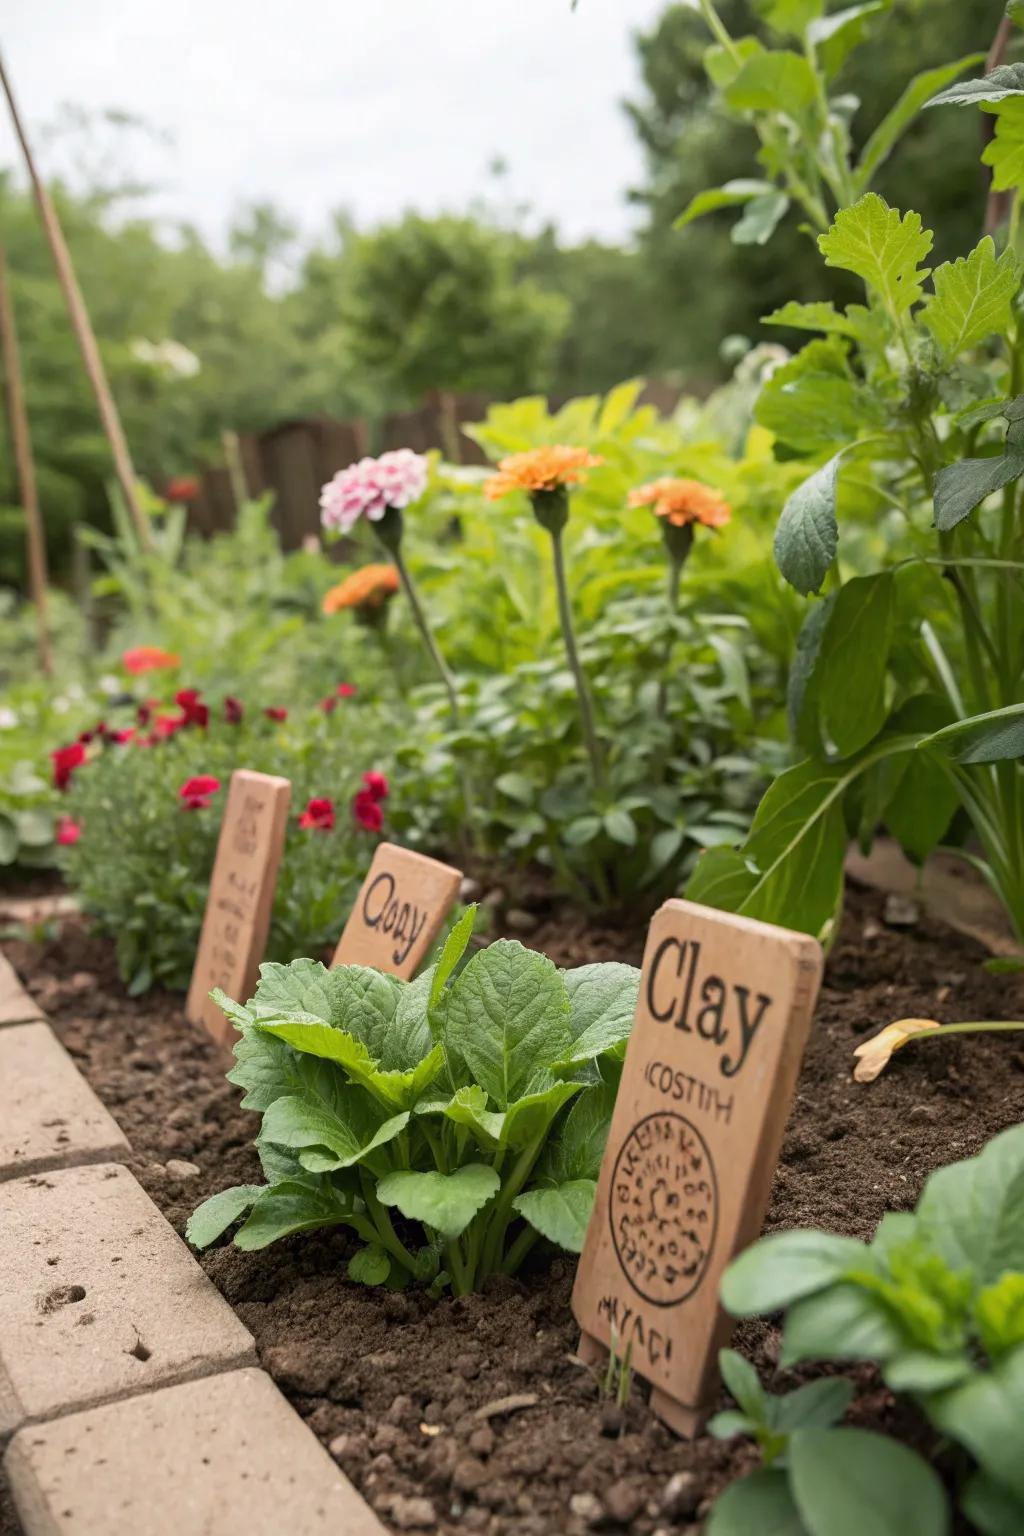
(399, 911)
(721, 1022)
(241, 894)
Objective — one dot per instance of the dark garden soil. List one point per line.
(473, 1415)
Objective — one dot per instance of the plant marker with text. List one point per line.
(721, 1022)
(241, 895)
(399, 912)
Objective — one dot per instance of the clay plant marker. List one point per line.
(237, 918)
(721, 1022)
(399, 911)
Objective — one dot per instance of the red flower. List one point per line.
(168, 725)
(329, 705)
(65, 760)
(347, 690)
(367, 812)
(148, 658)
(195, 711)
(68, 831)
(276, 713)
(144, 713)
(376, 785)
(318, 816)
(182, 488)
(120, 737)
(233, 710)
(195, 794)
(97, 730)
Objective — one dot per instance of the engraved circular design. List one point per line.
(663, 1208)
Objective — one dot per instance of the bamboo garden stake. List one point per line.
(82, 328)
(28, 493)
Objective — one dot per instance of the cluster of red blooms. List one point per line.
(196, 794)
(366, 807)
(343, 691)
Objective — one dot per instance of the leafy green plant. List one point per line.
(936, 1299)
(473, 1105)
(907, 689)
(816, 1479)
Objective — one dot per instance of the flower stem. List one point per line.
(984, 1027)
(426, 634)
(569, 635)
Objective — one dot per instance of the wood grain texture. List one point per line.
(722, 1019)
(241, 895)
(399, 911)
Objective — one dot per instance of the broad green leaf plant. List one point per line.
(906, 693)
(450, 1122)
(936, 1300)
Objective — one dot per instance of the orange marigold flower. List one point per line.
(369, 587)
(148, 658)
(683, 502)
(540, 469)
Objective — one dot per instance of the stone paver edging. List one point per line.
(128, 1386)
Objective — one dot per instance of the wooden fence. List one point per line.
(295, 458)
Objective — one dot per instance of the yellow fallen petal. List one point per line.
(874, 1054)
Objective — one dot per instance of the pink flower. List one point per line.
(369, 488)
(195, 794)
(68, 831)
(275, 712)
(329, 705)
(123, 735)
(347, 690)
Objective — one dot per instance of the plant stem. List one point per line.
(519, 1249)
(426, 634)
(718, 30)
(569, 635)
(675, 573)
(984, 1027)
(386, 1234)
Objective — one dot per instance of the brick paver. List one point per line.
(16, 1007)
(222, 1457)
(99, 1297)
(51, 1117)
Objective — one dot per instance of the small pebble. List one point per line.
(922, 1114)
(179, 1169)
(469, 1474)
(415, 1514)
(481, 1441)
(400, 1410)
(623, 1500)
(901, 912)
(680, 1495)
(587, 1506)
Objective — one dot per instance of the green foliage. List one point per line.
(816, 1479)
(895, 415)
(474, 1101)
(936, 1300)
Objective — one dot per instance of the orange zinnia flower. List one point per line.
(683, 502)
(369, 587)
(540, 469)
(149, 658)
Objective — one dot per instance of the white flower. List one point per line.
(8, 719)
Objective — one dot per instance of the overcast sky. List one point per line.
(371, 105)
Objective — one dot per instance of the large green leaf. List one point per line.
(777, 81)
(807, 535)
(215, 1215)
(329, 1136)
(294, 1206)
(445, 1201)
(962, 486)
(895, 123)
(845, 1321)
(803, 687)
(884, 248)
(993, 737)
(923, 798)
(853, 661)
(973, 298)
(834, 37)
(790, 17)
(454, 948)
(508, 1017)
(797, 843)
(997, 85)
(723, 878)
(847, 1482)
(529, 1117)
(400, 1089)
(985, 1414)
(781, 1268)
(761, 218)
(602, 1003)
(559, 1212)
(813, 402)
(758, 1505)
(731, 195)
(991, 1508)
(577, 1150)
(972, 1212)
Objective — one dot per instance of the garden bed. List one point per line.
(408, 1393)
